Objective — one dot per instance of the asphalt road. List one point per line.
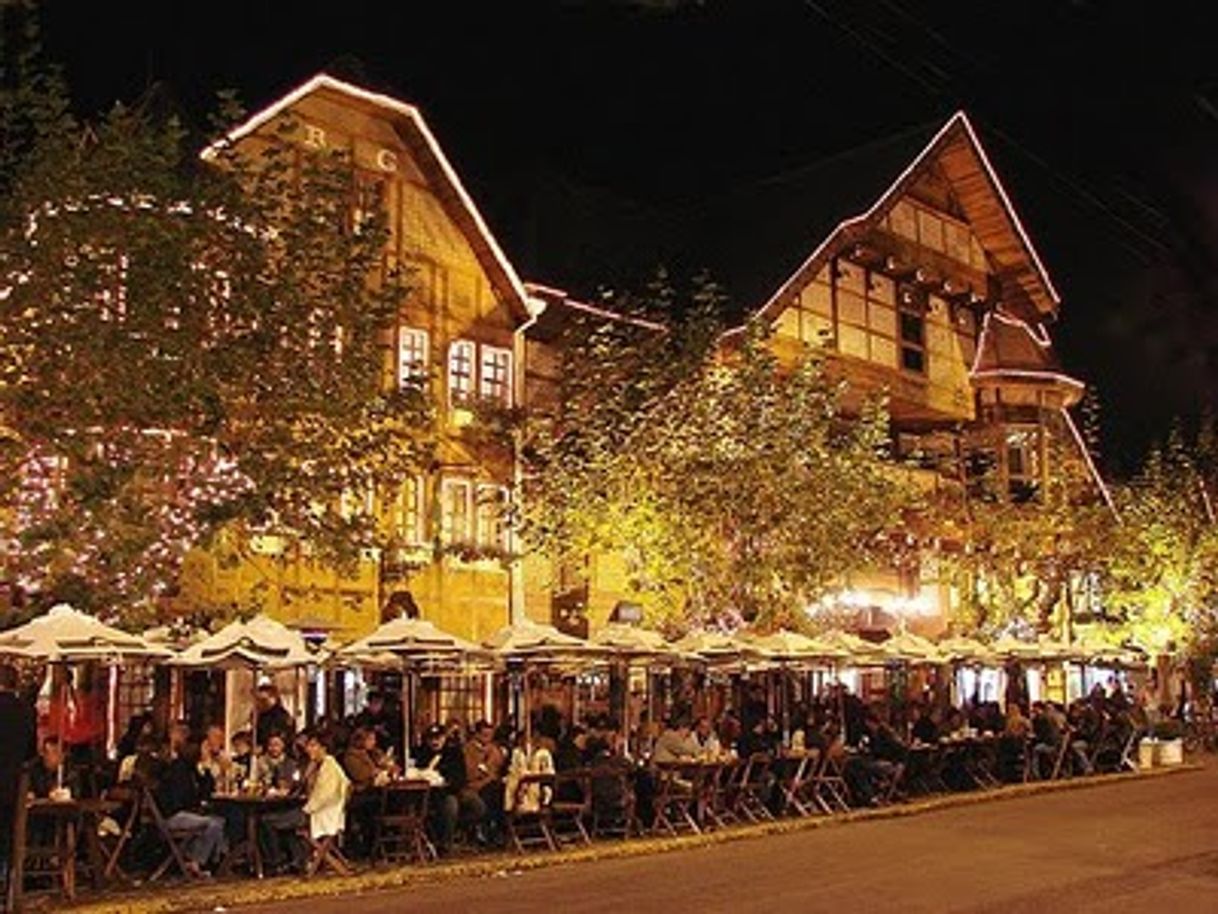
(1137, 846)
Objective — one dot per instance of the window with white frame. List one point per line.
(460, 370)
(412, 355)
(456, 511)
(492, 526)
(495, 381)
(408, 512)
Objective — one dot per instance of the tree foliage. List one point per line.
(736, 486)
(185, 346)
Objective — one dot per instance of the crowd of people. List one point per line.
(477, 774)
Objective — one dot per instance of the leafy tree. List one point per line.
(1032, 563)
(735, 486)
(185, 347)
(1164, 567)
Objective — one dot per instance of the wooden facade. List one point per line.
(934, 294)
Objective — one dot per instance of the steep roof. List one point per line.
(956, 150)
(422, 142)
(1010, 348)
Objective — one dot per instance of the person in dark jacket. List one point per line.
(444, 755)
(273, 717)
(19, 724)
(180, 795)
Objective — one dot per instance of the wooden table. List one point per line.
(253, 807)
(69, 817)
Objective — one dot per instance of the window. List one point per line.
(492, 517)
(495, 382)
(913, 330)
(408, 512)
(460, 371)
(412, 355)
(456, 511)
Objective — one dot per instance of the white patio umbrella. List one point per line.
(259, 644)
(531, 644)
(859, 651)
(717, 649)
(906, 647)
(66, 635)
(962, 649)
(786, 646)
(414, 646)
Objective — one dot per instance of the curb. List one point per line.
(218, 896)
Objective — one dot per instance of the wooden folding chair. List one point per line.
(528, 821)
(720, 795)
(176, 838)
(1127, 761)
(401, 824)
(324, 851)
(754, 788)
(829, 788)
(571, 806)
(613, 804)
(674, 802)
(795, 784)
(112, 846)
(1059, 761)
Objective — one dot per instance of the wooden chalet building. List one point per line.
(915, 275)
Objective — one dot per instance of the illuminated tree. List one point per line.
(185, 347)
(1164, 569)
(734, 486)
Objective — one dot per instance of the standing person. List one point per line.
(273, 717)
(19, 725)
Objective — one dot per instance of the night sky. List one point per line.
(1102, 118)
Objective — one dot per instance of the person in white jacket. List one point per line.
(326, 805)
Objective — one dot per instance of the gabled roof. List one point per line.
(955, 148)
(432, 159)
(1012, 347)
(557, 311)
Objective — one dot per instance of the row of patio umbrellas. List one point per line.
(67, 635)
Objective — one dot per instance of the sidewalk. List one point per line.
(163, 899)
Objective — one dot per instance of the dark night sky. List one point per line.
(1101, 116)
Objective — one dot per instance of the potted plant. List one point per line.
(1169, 742)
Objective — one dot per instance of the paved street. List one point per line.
(1120, 847)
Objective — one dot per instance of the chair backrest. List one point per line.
(574, 786)
(542, 784)
(407, 800)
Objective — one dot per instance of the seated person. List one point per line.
(926, 725)
(444, 758)
(705, 738)
(367, 768)
(213, 758)
(243, 755)
(51, 771)
(482, 799)
(275, 769)
(610, 787)
(183, 787)
(324, 813)
(675, 744)
(364, 763)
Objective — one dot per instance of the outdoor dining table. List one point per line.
(253, 806)
(72, 818)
